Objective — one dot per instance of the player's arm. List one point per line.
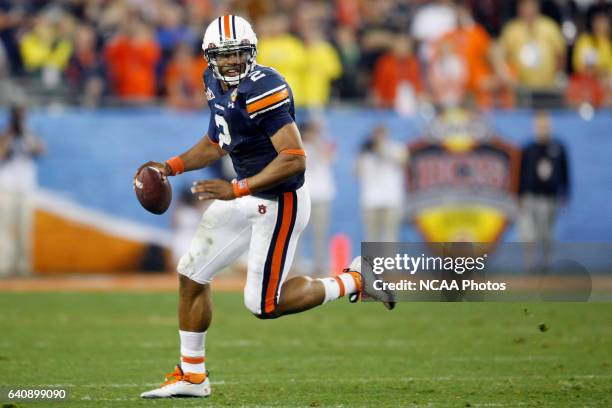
(290, 161)
(201, 155)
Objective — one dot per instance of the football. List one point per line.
(153, 190)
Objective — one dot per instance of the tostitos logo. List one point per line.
(463, 181)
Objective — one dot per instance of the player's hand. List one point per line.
(162, 167)
(213, 190)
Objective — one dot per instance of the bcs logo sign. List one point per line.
(463, 181)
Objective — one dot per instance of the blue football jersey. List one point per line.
(244, 118)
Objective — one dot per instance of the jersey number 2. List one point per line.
(224, 134)
(255, 75)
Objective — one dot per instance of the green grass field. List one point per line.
(107, 348)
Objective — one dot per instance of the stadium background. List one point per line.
(106, 330)
(99, 120)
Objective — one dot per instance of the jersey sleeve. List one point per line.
(268, 100)
(213, 130)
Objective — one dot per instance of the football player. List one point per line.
(263, 211)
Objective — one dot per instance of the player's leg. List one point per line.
(195, 305)
(222, 236)
(302, 293)
(275, 237)
(276, 226)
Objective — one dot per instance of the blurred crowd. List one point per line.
(396, 54)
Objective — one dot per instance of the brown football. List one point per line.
(153, 190)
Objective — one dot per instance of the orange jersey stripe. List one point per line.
(297, 152)
(268, 101)
(226, 26)
(277, 255)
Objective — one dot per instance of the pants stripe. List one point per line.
(286, 246)
(287, 209)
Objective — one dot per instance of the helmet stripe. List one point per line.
(226, 26)
(220, 32)
(234, 27)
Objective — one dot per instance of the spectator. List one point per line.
(376, 33)
(47, 48)
(380, 168)
(183, 79)
(4, 65)
(534, 47)
(11, 18)
(9, 91)
(431, 21)
(350, 84)
(595, 46)
(586, 87)
(531, 49)
(470, 47)
(491, 13)
(284, 52)
(172, 31)
(449, 71)
(348, 13)
(322, 187)
(131, 58)
(85, 70)
(4, 76)
(543, 188)
(18, 147)
(322, 67)
(397, 73)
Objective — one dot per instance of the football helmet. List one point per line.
(228, 36)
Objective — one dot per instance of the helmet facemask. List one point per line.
(243, 55)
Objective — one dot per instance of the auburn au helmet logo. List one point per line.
(262, 209)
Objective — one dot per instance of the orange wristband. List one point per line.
(177, 165)
(241, 188)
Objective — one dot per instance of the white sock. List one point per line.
(346, 283)
(192, 352)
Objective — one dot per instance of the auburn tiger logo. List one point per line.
(262, 209)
